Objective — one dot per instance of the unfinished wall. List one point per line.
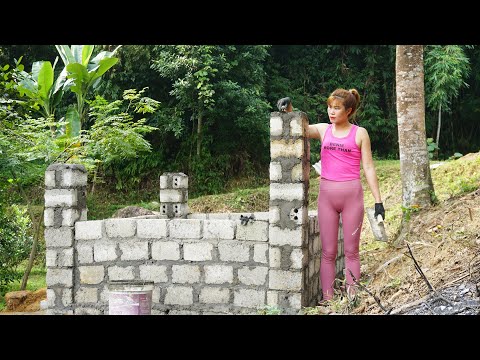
(232, 263)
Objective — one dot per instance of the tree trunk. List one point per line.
(33, 252)
(438, 129)
(417, 186)
(199, 133)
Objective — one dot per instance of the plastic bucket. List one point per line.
(130, 297)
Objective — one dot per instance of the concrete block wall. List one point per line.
(289, 252)
(199, 263)
(65, 204)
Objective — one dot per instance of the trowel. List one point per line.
(377, 225)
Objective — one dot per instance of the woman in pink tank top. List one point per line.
(343, 147)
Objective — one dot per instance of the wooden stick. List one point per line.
(417, 267)
(377, 300)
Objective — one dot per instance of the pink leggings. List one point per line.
(335, 197)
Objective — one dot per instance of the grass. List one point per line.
(36, 280)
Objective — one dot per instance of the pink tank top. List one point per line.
(340, 156)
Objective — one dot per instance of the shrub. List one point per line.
(15, 242)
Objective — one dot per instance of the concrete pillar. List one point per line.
(174, 195)
(65, 204)
(288, 226)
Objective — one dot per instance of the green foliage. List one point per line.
(15, 242)
(83, 74)
(446, 68)
(408, 210)
(116, 135)
(431, 147)
(41, 87)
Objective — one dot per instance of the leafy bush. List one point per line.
(15, 242)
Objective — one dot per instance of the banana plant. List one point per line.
(40, 86)
(83, 74)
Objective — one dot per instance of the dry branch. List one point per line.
(377, 300)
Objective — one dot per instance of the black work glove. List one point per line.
(379, 210)
(283, 104)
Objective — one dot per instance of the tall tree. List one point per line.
(446, 68)
(417, 186)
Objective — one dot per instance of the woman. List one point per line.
(343, 147)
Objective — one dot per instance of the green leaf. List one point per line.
(73, 122)
(65, 54)
(79, 74)
(105, 64)
(45, 80)
(87, 53)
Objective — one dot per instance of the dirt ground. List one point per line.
(31, 303)
(445, 242)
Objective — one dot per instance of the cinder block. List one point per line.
(276, 126)
(286, 192)
(179, 295)
(231, 250)
(297, 173)
(280, 237)
(51, 298)
(163, 181)
(253, 275)
(275, 257)
(249, 298)
(70, 216)
(272, 298)
(120, 228)
(185, 228)
(49, 217)
(260, 252)
(197, 251)
(219, 229)
(152, 228)
(295, 301)
(73, 178)
(165, 250)
(91, 274)
(218, 274)
(180, 181)
(274, 215)
(51, 258)
(296, 127)
(275, 171)
(255, 231)
(88, 230)
(172, 196)
(104, 251)
(285, 280)
(62, 237)
(121, 273)
(49, 179)
(155, 273)
(286, 148)
(59, 277)
(214, 295)
(189, 274)
(85, 254)
(61, 197)
(65, 258)
(134, 250)
(85, 295)
(67, 297)
(299, 258)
